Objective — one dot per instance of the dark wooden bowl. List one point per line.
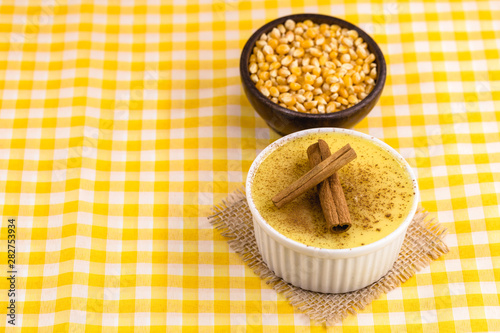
(285, 121)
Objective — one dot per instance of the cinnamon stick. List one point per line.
(324, 190)
(338, 195)
(315, 176)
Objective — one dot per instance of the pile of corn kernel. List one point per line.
(313, 68)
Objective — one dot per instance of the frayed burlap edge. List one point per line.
(423, 243)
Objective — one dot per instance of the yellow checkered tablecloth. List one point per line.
(121, 124)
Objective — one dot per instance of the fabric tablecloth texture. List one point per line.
(123, 123)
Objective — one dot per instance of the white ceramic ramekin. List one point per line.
(327, 270)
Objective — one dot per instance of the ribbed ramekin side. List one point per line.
(327, 275)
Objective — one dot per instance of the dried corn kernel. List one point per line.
(313, 68)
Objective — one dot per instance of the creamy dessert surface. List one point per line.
(379, 193)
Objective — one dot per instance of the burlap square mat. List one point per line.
(423, 243)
